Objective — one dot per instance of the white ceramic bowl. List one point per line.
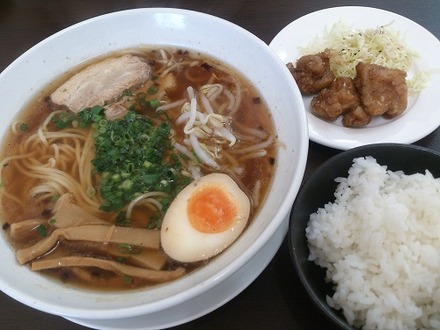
(249, 255)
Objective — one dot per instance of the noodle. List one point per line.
(145, 197)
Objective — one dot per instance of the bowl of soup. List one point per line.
(149, 160)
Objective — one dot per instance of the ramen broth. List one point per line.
(251, 166)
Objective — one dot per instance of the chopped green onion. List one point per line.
(127, 184)
(141, 95)
(152, 90)
(91, 191)
(24, 127)
(121, 260)
(127, 279)
(42, 230)
(127, 92)
(126, 248)
(154, 103)
(132, 156)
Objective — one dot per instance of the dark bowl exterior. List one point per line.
(318, 190)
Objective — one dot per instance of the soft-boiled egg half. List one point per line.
(205, 218)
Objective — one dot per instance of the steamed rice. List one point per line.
(380, 243)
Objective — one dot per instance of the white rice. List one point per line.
(380, 243)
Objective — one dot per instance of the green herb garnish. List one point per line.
(121, 260)
(127, 279)
(127, 92)
(24, 127)
(42, 230)
(152, 90)
(126, 248)
(132, 157)
(131, 154)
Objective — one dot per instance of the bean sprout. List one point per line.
(201, 154)
(261, 145)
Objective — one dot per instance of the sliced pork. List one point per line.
(102, 82)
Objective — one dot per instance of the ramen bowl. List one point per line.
(220, 280)
(319, 190)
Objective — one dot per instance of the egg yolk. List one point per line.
(211, 211)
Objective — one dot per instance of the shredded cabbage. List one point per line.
(381, 45)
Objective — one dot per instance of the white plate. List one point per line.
(422, 115)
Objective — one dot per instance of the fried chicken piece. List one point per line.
(383, 91)
(356, 117)
(339, 97)
(312, 72)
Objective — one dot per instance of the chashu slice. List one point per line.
(102, 82)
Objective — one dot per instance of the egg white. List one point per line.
(184, 243)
